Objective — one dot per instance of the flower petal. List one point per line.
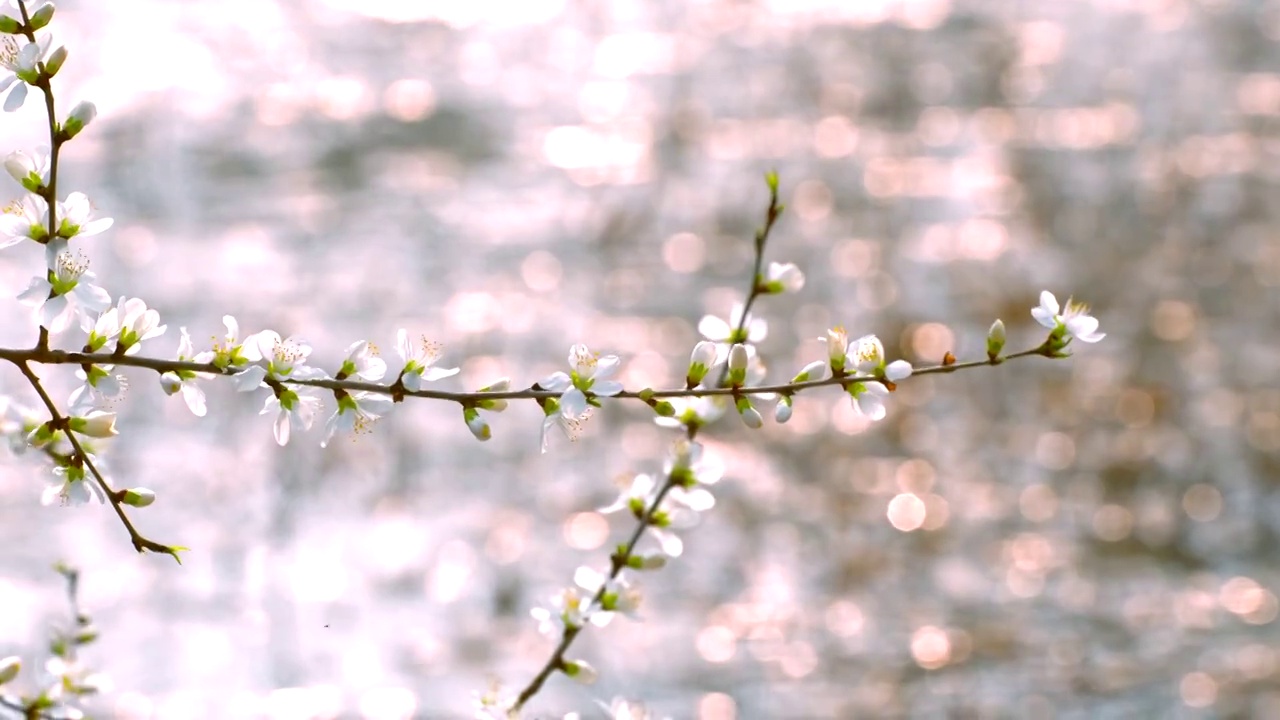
(573, 403)
(606, 388)
(555, 382)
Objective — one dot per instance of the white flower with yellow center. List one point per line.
(1073, 321)
(357, 412)
(69, 486)
(21, 62)
(419, 360)
(867, 356)
(65, 292)
(23, 219)
(75, 217)
(285, 358)
(363, 362)
(589, 373)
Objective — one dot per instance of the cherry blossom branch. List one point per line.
(619, 561)
(52, 356)
(80, 459)
(679, 471)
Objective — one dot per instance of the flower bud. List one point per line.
(898, 370)
(700, 361)
(86, 634)
(81, 115)
(664, 408)
(96, 424)
(738, 360)
(41, 435)
(9, 668)
(501, 385)
(9, 25)
(476, 424)
(42, 17)
(782, 411)
(815, 370)
(138, 497)
(782, 278)
(995, 339)
(646, 562)
(837, 341)
(170, 383)
(750, 416)
(579, 670)
(22, 168)
(54, 63)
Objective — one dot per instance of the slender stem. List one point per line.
(50, 191)
(140, 543)
(63, 357)
(618, 563)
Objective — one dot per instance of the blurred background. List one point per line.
(1091, 538)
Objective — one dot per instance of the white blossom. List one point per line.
(230, 351)
(589, 372)
(356, 413)
(567, 609)
(617, 595)
(419, 360)
(70, 293)
(1073, 321)
(75, 218)
(99, 387)
(18, 66)
(867, 356)
(70, 487)
(286, 359)
(720, 331)
(362, 362)
(184, 381)
(137, 323)
(294, 412)
(23, 219)
(868, 399)
(571, 426)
